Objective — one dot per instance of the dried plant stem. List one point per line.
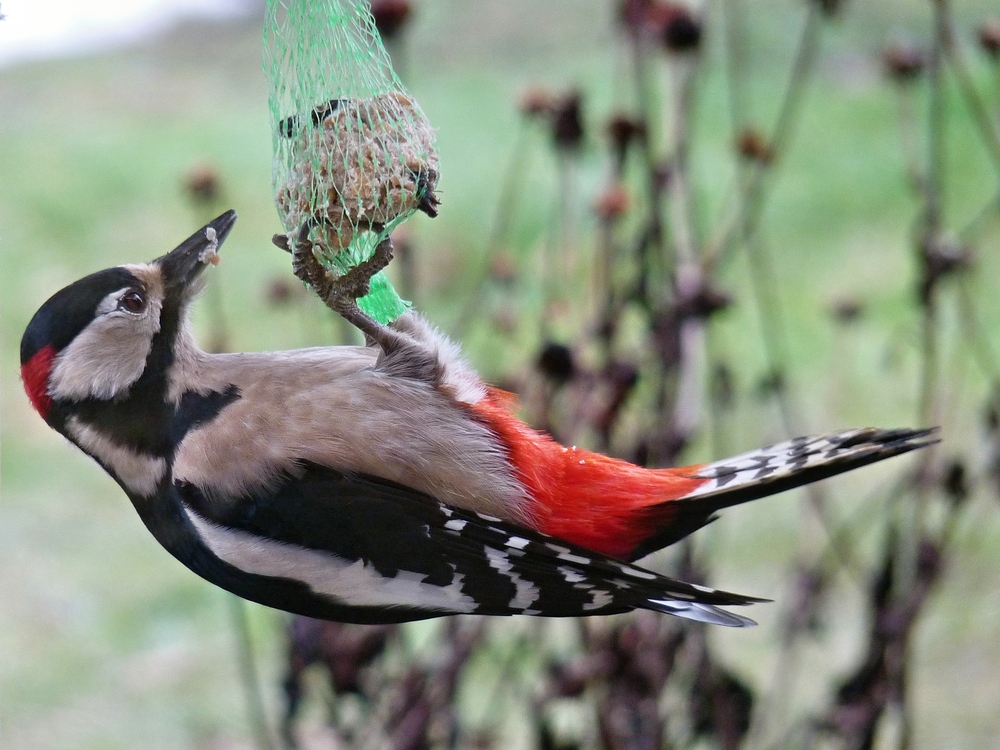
(511, 189)
(252, 694)
(951, 51)
(909, 137)
(990, 210)
(689, 278)
(740, 227)
(652, 241)
(911, 523)
(243, 640)
(734, 23)
(976, 338)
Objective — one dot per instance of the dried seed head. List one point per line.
(942, 258)
(612, 202)
(829, 8)
(567, 122)
(989, 37)
(753, 146)
(701, 299)
(279, 292)
(537, 103)
(633, 15)
(678, 28)
(904, 61)
(556, 362)
(202, 184)
(955, 482)
(847, 310)
(390, 16)
(991, 412)
(503, 269)
(623, 131)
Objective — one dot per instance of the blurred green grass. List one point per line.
(106, 642)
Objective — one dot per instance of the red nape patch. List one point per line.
(35, 374)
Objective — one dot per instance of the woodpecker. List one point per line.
(378, 483)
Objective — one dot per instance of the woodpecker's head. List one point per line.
(94, 339)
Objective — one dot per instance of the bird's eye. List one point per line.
(132, 302)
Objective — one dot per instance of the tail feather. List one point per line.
(801, 461)
(700, 613)
(781, 467)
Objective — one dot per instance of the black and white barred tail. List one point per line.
(767, 471)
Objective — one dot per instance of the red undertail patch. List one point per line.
(601, 503)
(35, 374)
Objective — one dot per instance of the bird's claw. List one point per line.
(341, 293)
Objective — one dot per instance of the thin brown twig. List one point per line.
(247, 661)
(510, 191)
(951, 51)
(743, 225)
(978, 342)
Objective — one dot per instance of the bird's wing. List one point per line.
(358, 548)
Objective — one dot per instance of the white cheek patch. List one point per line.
(140, 473)
(345, 581)
(108, 356)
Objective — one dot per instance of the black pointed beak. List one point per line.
(182, 265)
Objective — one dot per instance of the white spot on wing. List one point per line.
(525, 592)
(517, 542)
(637, 572)
(599, 599)
(572, 576)
(456, 524)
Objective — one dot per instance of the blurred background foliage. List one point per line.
(106, 642)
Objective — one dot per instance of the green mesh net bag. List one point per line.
(353, 153)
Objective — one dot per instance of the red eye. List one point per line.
(132, 302)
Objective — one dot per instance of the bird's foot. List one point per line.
(341, 293)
